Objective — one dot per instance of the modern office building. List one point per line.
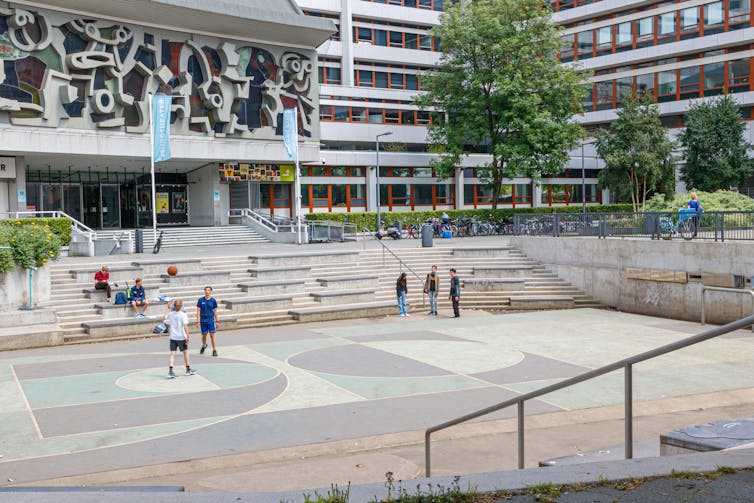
(75, 80)
(677, 51)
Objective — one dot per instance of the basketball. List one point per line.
(172, 270)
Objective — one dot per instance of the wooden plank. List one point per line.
(659, 275)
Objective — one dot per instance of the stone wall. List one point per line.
(14, 289)
(602, 268)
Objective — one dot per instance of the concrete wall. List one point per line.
(598, 268)
(14, 289)
(203, 209)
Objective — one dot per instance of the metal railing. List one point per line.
(625, 364)
(717, 225)
(77, 226)
(386, 248)
(706, 288)
(328, 230)
(275, 224)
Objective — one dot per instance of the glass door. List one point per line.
(110, 194)
(91, 205)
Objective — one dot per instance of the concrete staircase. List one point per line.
(379, 272)
(198, 236)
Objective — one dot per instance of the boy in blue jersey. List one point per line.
(206, 319)
(139, 298)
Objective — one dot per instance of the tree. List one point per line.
(637, 152)
(501, 88)
(715, 151)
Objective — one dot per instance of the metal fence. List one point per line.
(716, 225)
(327, 230)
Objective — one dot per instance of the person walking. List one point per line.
(177, 320)
(696, 206)
(401, 289)
(455, 292)
(102, 281)
(431, 287)
(206, 319)
(139, 298)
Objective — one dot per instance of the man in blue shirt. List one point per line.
(138, 298)
(206, 319)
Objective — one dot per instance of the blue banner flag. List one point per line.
(161, 127)
(290, 132)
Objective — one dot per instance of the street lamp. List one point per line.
(583, 176)
(377, 162)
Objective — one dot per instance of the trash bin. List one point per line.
(427, 232)
(139, 241)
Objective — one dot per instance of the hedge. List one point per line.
(369, 219)
(28, 245)
(61, 227)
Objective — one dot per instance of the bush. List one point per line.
(30, 245)
(61, 227)
(369, 219)
(721, 200)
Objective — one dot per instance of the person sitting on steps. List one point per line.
(139, 298)
(102, 281)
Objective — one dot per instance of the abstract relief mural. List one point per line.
(57, 70)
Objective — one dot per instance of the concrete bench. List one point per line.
(541, 302)
(157, 266)
(344, 312)
(312, 258)
(103, 329)
(348, 282)
(487, 252)
(117, 273)
(279, 272)
(502, 271)
(101, 296)
(258, 304)
(493, 284)
(336, 297)
(197, 278)
(274, 287)
(118, 311)
(30, 336)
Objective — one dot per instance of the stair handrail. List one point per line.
(626, 364)
(76, 225)
(263, 220)
(400, 260)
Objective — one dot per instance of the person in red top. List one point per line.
(102, 281)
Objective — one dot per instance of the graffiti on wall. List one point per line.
(60, 71)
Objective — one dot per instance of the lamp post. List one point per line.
(583, 177)
(377, 163)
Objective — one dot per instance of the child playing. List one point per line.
(179, 336)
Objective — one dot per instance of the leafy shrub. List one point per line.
(721, 200)
(61, 227)
(30, 245)
(369, 219)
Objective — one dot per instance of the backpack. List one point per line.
(160, 328)
(120, 298)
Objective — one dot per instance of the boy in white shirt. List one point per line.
(179, 336)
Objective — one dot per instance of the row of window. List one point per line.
(664, 28)
(387, 80)
(395, 38)
(419, 172)
(419, 4)
(337, 113)
(673, 85)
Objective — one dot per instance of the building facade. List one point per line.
(75, 81)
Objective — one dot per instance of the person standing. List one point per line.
(455, 292)
(697, 207)
(401, 289)
(177, 319)
(206, 319)
(102, 281)
(431, 287)
(139, 298)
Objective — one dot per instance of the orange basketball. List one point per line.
(172, 270)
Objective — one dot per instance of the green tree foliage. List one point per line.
(715, 151)
(30, 245)
(721, 200)
(501, 87)
(637, 154)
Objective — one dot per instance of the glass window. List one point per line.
(339, 171)
(566, 51)
(380, 37)
(666, 83)
(396, 80)
(281, 193)
(624, 34)
(425, 43)
(305, 195)
(422, 117)
(645, 28)
(423, 194)
(375, 115)
(357, 195)
(366, 78)
(408, 117)
(338, 195)
(392, 116)
(422, 172)
(363, 35)
(714, 75)
(401, 172)
(356, 171)
(333, 75)
(623, 88)
(645, 84)
(690, 19)
(396, 39)
(738, 71)
(738, 11)
(605, 37)
(380, 80)
(585, 42)
(401, 194)
(319, 171)
(713, 14)
(341, 113)
(444, 194)
(666, 24)
(689, 82)
(468, 194)
(412, 82)
(358, 114)
(412, 41)
(605, 92)
(319, 196)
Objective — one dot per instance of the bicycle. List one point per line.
(682, 224)
(158, 243)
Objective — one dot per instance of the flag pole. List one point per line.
(151, 168)
(297, 180)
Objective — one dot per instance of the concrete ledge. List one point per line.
(117, 273)
(487, 252)
(121, 311)
(197, 278)
(101, 296)
(103, 329)
(339, 296)
(30, 336)
(156, 266)
(34, 317)
(258, 304)
(312, 258)
(341, 282)
(279, 272)
(493, 284)
(274, 287)
(344, 312)
(542, 302)
(503, 271)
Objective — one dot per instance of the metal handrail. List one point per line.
(626, 364)
(400, 260)
(76, 225)
(723, 289)
(261, 219)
